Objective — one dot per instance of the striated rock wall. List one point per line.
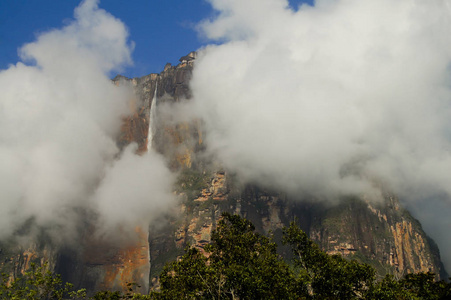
(383, 234)
(102, 264)
(16, 259)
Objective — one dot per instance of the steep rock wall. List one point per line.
(383, 235)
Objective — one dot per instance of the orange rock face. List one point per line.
(384, 234)
(135, 129)
(119, 264)
(17, 259)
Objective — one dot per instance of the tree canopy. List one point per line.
(240, 263)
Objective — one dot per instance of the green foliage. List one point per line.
(388, 289)
(186, 279)
(323, 276)
(38, 284)
(240, 263)
(412, 286)
(130, 294)
(192, 182)
(424, 286)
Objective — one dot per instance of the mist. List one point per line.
(60, 116)
(343, 98)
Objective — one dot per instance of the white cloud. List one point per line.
(134, 189)
(59, 121)
(330, 99)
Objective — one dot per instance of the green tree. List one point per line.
(239, 263)
(323, 276)
(41, 284)
(424, 286)
(38, 284)
(117, 295)
(388, 289)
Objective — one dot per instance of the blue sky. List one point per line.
(162, 30)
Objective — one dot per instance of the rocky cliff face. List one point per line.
(16, 258)
(383, 234)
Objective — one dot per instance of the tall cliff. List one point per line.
(382, 234)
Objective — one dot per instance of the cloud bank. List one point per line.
(60, 116)
(340, 98)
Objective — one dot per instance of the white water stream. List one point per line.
(152, 119)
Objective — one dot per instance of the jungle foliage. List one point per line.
(240, 263)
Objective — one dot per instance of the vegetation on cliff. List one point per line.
(241, 263)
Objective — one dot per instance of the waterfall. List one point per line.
(152, 118)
